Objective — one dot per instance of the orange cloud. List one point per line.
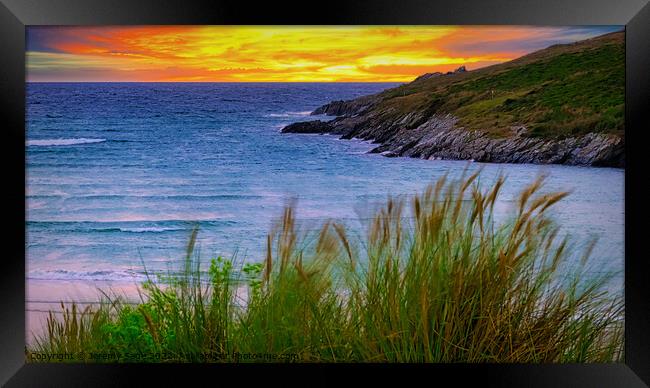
(276, 54)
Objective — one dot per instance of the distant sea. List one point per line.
(118, 174)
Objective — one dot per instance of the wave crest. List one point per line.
(290, 114)
(62, 142)
(107, 275)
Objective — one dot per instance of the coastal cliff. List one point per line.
(562, 105)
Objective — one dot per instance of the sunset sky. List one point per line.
(278, 54)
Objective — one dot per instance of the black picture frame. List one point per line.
(634, 14)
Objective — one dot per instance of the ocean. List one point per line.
(119, 173)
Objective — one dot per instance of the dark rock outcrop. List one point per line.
(347, 108)
(461, 69)
(427, 76)
(316, 126)
(334, 108)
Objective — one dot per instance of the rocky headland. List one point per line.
(561, 105)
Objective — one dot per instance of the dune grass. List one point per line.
(445, 284)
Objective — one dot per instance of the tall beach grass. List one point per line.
(444, 283)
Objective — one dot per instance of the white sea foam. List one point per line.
(62, 142)
(134, 217)
(60, 274)
(290, 114)
(150, 230)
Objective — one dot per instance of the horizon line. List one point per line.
(216, 82)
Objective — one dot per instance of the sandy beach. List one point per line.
(42, 296)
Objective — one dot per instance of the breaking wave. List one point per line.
(62, 142)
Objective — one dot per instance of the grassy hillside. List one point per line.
(564, 90)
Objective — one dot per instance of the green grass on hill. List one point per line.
(561, 91)
(444, 285)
